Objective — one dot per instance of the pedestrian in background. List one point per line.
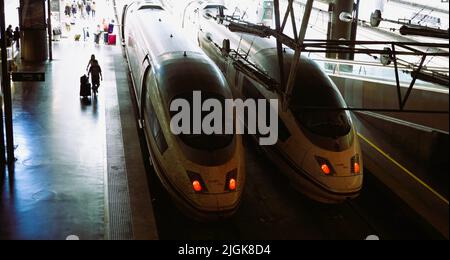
(74, 8)
(93, 9)
(68, 9)
(9, 35)
(88, 9)
(16, 37)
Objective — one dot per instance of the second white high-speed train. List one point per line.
(318, 149)
(204, 174)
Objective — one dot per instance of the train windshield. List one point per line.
(151, 7)
(205, 142)
(316, 102)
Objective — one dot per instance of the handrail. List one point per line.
(377, 64)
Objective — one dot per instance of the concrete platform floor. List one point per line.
(71, 175)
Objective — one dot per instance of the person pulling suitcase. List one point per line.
(95, 72)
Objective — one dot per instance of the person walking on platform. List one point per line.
(93, 9)
(9, 35)
(96, 76)
(86, 33)
(88, 9)
(74, 8)
(91, 62)
(68, 9)
(80, 7)
(16, 37)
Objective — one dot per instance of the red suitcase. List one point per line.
(112, 39)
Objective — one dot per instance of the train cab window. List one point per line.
(151, 7)
(316, 103)
(205, 142)
(283, 131)
(251, 91)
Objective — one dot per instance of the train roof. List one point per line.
(161, 33)
(205, 3)
(181, 66)
(242, 41)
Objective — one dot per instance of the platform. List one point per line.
(79, 169)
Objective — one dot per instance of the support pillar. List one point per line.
(34, 30)
(340, 30)
(6, 90)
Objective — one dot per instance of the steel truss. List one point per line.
(301, 45)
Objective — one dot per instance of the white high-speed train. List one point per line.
(318, 149)
(204, 174)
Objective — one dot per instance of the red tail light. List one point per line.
(325, 166)
(356, 165)
(357, 168)
(232, 185)
(231, 181)
(197, 186)
(326, 169)
(197, 182)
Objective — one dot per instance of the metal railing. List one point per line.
(375, 71)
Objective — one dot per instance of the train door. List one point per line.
(124, 15)
(126, 8)
(149, 119)
(146, 69)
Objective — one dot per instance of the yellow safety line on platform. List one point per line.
(404, 169)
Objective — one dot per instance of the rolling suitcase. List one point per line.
(85, 87)
(112, 39)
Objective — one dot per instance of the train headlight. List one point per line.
(198, 185)
(325, 166)
(356, 165)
